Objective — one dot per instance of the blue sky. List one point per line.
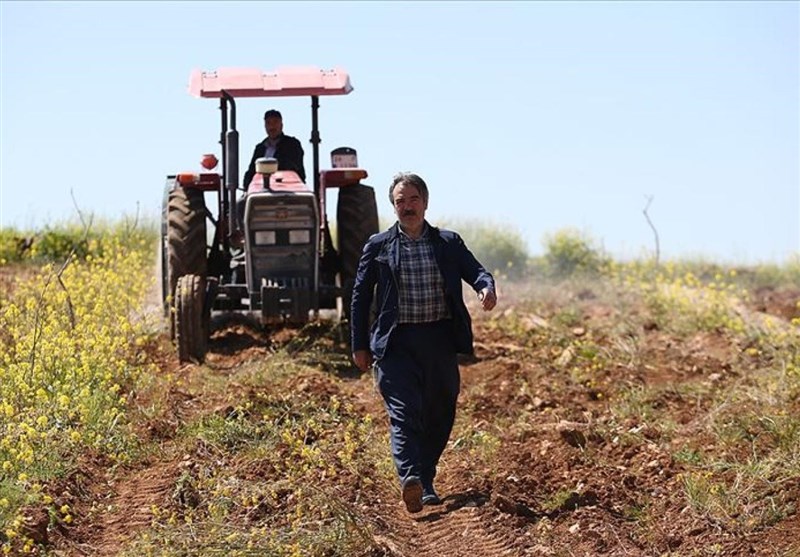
(539, 116)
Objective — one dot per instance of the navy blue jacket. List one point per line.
(377, 278)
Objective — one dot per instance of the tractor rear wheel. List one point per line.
(185, 248)
(356, 221)
(191, 318)
(163, 248)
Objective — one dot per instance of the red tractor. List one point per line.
(270, 252)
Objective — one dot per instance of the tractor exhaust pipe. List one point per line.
(231, 166)
(315, 141)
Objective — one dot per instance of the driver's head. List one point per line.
(273, 123)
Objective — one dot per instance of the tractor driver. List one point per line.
(285, 148)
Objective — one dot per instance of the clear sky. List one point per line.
(539, 115)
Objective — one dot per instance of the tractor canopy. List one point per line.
(287, 81)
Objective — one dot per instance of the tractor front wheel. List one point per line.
(191, 318)
(183, 240)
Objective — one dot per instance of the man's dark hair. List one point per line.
(272, 113)
(408, 179)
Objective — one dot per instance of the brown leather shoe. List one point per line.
(412, 495)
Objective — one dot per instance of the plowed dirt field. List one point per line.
(561, 461)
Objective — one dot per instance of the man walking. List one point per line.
(414, 272)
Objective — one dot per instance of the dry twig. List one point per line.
(655, 232)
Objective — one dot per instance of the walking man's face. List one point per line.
(409, 206)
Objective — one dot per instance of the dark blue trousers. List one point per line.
(419, 380)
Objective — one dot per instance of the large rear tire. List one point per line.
(356, 221)
(163, 248)
(185, 251)
(191, 318)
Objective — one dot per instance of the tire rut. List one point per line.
(131, 509)
(457, 529)
(468, 533)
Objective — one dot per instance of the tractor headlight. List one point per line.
(299, 236)
(265, 237)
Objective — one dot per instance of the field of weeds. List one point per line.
(610, 409)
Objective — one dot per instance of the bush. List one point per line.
(786, 274)
(569, 252)
(499, 247)
(55, 242)
(13, 245)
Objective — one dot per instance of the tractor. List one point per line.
(267, 250)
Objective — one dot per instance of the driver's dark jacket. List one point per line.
(289, 153)
(377, 276)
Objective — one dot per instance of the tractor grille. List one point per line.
(282, 235)
(288, 282)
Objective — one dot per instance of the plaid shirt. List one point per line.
(422, 297)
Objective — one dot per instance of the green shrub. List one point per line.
(569, 251)
(55, 242)
(12, 244)
(786, 274)
(499, 247)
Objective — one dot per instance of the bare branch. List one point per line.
(69, 298)
(78, 209)
(655, 232)
(128, 228)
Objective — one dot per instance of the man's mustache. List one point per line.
(409, 213)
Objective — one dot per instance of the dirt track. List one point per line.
(568, 477)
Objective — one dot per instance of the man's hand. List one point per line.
(363, 359)
(488, 298)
